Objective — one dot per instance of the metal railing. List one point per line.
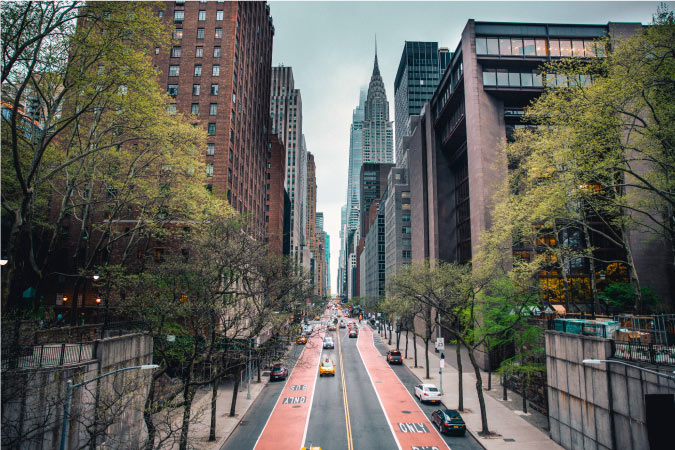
(46, 355)
(656, 354)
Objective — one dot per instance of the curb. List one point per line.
(471, 432)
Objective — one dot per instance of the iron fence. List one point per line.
(46, 355)
(651, 353)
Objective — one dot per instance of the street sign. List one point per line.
(442, 366)
(440, 343)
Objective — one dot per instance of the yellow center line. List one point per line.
(350, 444)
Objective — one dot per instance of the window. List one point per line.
(219, 15)
(218, 33)
(526, 79)
(210, 149)
(229, 175)
(198, 70)
(174, 71)
(514, 79)
(231, 155)
(529, 49)
(578, 48)
(407, 254)
(178, 15)
(536, 78)
(178, 33)
(202, 15)
(172, 90)
(234, 98)
(554, 47)
(215, 70)
(212, 129)
(505, 46)
(489, 78)
(231, 135)
(541, 47)
(196, 88)
(481, 46)
(214, 89)
(517, 47)
(175, 52)
(209, 169)
(200, 33)
(195, 109)
(199, 52)
(492, 46)
(405, 230)
(156, 50)
(565, 48)
(213, 109)
(216, 52)
(171, 109)
(502, 77)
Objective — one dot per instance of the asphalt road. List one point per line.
(327, 426)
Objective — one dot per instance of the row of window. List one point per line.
(218, 34)
(177, 51)
(172, 90)
(505, 46)
(502, 77)
(174, 71)
(179, 15)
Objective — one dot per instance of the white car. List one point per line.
(328, 342)
(427, 393)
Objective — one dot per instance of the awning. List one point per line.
(560, 309)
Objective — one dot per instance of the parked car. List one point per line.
(278, 372)
(328, 342)
(353, 333)
(301, 340)
(327, 368)
(394, 357)
(449, 421)
(427, 393)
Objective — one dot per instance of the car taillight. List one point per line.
(425, 394)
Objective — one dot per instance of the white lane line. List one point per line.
(311, 400)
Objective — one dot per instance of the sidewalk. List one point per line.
(512, 430)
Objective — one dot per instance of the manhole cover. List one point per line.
(243, 422)
(405, 412)
(509, 440)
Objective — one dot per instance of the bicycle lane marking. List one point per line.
(411, 427)
(287, 425)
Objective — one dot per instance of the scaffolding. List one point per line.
(657, 329)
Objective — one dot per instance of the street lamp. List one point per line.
(598, 361)
(70, 387)
(96, 275)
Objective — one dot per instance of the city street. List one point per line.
(366, 405)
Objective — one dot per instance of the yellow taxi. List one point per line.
(317, 318)
(301, 340)
(327, 368)
(311, 447)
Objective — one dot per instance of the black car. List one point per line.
(449, 421)
(278, 372)
(394, 357)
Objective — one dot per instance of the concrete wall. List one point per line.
(581, 404)
(33, 400)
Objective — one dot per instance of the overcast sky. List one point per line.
(330, 46)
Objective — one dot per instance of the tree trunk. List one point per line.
(426, 356)
(524, 389)
(147, 417)
(591, 264)
(188, 396)
(214, 408)
(235, 390)
(406, 343)
(415, 347)
(460, 393)
(479, 391)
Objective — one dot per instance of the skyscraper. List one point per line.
(218, 73)
(355, 161)
(422, 65)
(378, 133)
(286, 119)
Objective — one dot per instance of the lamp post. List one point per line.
(441, 364)
(70, 387)
(248, 393)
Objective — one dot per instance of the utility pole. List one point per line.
(440, 371)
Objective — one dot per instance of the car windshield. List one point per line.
(395, 353)
(327, 364)
(276, 367)
(432, 389)
(328, 339)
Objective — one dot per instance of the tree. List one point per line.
(600, 160)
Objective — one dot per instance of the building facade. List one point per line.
(315, 256)
(422, 65)
(378, 132)
(397, 223)
(373, 257)
(373, 183)
(275, 193)
(218, 72)
(286, 122)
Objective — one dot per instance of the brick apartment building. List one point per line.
(218, 70)
(275, 195)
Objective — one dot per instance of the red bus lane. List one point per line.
(287, 425)
(411, 427)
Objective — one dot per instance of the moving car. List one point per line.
(342, 324)
(327, 368)
(328, 342)
(317, 318)
(278, 372)
(308, 330)
(331, 328)
(427, 393)
(353, 333)
(301, 340)
(449, 421)
(394, 357)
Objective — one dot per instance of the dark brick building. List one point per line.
(274, 197)
(218, 69)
